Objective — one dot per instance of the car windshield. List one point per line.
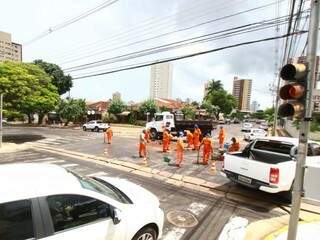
(105, 189)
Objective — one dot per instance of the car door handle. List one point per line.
(244, 168)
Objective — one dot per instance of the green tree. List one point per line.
(188, 112)
(27, 89)
(116, 106)
(259, 115)
(214, 86)
(269, 115)
(212, 110)
(72, 109)
(223, 100)
(59, 79)
(148, 106)
(195, 104)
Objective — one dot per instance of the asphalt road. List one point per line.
(194, 215)
(125, 147)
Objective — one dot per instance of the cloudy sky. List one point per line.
(123, 28)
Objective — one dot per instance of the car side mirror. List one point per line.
(116, 216)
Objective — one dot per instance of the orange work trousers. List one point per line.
(221, 142)
(165, 145)
(206, 156)
(196, 143)
(109, 137)
(179, 158)
(142, 150)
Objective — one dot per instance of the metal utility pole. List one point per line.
(1, 118)
(305, 124)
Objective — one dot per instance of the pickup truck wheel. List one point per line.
(96, 129)
(84, 128)
(146, 233)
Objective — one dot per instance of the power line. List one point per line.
(179, 30)
(144, 24)
(124, 68)
(176, 31)
(206, 37)
(71, 21)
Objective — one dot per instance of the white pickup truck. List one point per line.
(268, 164)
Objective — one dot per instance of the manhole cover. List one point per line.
(182, 219)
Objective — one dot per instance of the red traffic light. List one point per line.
(292, 91)
(295, 109)
(293, 72)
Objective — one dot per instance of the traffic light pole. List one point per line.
(305, 124)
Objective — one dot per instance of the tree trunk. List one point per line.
(29, 118)
(40, 118)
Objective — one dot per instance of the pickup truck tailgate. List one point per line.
(247, 167)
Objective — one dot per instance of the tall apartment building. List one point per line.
(9, 50)
(161, 81)
(242, 92)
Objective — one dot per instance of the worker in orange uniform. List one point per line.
(207, 148)
(180, 149)
(109, 134)
(166, 140)
(221, 137)
(235, 145)
(143, 144)
(189, 138)
(196, 137)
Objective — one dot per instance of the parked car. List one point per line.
(235, 121)
(264, 126)
(268, 164)
(254, 133)
(45, 201)
(246, 127)
(95, 125)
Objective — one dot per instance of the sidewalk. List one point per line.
(307, 229)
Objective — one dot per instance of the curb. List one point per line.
(274, 235)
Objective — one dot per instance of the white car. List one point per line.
(254, 133)
(44, 201)
(264, 126)
(95, 125)
(246, 127)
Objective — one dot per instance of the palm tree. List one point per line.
(214, 86)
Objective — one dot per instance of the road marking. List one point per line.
(40, 159)
(97, 174)
(235, 229)
(69, 165)
(54, 161)
(174, 234)
(196, 208)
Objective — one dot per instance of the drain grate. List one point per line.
(182, 219)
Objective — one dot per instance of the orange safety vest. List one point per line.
(109, 132)
(180, 145)
(234, 147)
(207, 144)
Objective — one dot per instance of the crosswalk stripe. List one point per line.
(96, 174)
(55, 161)
(40, 159)
(69, 165)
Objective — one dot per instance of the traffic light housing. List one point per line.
(294, 91)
